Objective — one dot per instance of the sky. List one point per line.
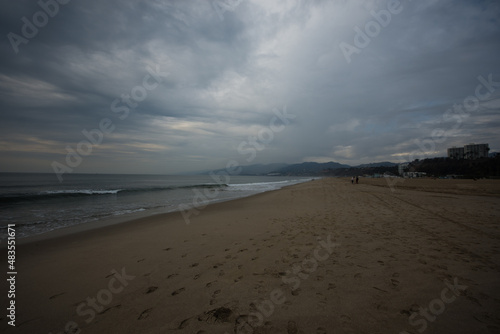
(167, 87)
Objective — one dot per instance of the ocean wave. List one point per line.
(69, 193)
(80, 192)
(263, 186)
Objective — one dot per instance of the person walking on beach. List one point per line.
(357, 179)
(352, 180)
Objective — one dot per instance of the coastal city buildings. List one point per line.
(456, 153)
(470, 152)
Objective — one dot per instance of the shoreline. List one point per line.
(317, 257)
(121, 219)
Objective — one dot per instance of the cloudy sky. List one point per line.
(176, 86)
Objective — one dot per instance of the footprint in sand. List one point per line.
(57, 295)
(184, 323)
(151, 289)
(110, 308)
(346, 322)
(194, 265)
(196, 277)
(144, 314)
(292, 328)
(394, 282)
(380, 307)
(296, 292)
(176, 292)
(322, 303)
(321, 330)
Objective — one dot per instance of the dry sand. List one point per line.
(320, 257)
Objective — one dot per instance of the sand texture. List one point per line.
(319, 257)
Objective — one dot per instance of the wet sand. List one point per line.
(319, 257)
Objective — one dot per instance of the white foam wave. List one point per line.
(81, 191)
(263, 186)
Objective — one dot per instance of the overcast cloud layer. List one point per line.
(221, 68)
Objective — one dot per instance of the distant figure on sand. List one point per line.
(357, 179)
(352, 180)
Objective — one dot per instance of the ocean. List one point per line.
(39, 203)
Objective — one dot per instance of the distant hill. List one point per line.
(358, 171)
(485, 167)
(315, 169)
(309, 168)
(305, 168)
(258, 169)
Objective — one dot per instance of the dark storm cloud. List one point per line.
(222, 72)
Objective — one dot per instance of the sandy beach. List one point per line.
(326, 256)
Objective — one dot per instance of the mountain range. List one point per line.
(305, 168)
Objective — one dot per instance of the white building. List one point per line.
(471, 151)
(476, 151)
(456, 153)
(402, 167)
